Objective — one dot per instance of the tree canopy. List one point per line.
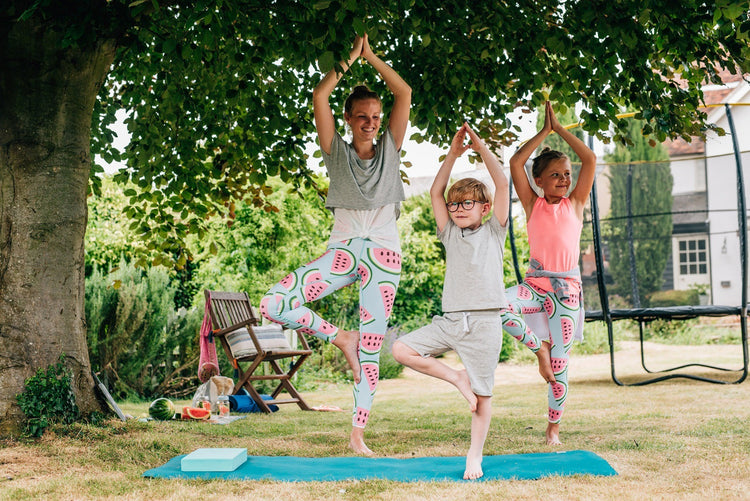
(219, 91)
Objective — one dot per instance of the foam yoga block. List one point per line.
(222, 459)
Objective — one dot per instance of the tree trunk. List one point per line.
(47, 96)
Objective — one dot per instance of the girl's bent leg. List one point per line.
(525, 300)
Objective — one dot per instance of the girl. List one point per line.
(364, 195)
(552, 287)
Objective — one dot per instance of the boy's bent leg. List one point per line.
(431, 366)
(480, 425)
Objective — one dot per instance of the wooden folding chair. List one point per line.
(248, 344)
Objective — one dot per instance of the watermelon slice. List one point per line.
(388, 295)
(558, 365)
(365, 317)
(370, 342)
(386, 260)
(567, 329)
(195, 413)
(327, 328)
(305, 319)
(289, 281)
(361, 417)
(372, 372)
(343, 262)
(572, 303)
(554, 415)
(559, 390)
(314, 290)
(265, 310)
(364, 273)
(523, 292)
(549, 307)
(312, 276)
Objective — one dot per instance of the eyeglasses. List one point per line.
(466, 204)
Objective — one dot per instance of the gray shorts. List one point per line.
(476, 336)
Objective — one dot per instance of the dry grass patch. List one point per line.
(677, 439)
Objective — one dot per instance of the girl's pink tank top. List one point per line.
(554, 233)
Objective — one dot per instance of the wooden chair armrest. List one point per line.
(247, 323)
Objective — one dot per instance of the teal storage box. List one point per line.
(219, 459)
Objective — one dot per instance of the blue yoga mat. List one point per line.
(304, 469)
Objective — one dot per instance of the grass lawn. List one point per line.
(677, 439)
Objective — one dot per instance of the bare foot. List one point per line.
(348, 342)
(464, 386)
(545, 363)
(553, 434)
(473, 467)
(357, 442)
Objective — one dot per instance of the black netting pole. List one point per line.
(741, 209)
(631, 240)
(598, 254)
(513, 249)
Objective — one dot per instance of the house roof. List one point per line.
(688, 208)
(712, 94)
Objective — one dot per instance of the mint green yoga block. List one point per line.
(220, 459)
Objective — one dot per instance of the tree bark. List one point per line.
(47, 97)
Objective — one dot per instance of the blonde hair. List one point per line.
(469, 189)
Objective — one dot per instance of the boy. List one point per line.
(474, 302)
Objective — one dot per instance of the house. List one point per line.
(705, 240)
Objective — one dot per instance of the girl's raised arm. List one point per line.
(398, 119)
(324, 121)
(526, 193)
(580, 193)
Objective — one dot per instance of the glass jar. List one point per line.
(205, 403)
(222, 405)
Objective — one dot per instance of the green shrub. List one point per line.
(674, 298)
(142, 346)
(48, 398)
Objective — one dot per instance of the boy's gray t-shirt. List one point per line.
(474, 266)
(364, 184)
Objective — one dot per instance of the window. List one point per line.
(693, 256)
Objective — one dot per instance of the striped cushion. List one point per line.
(270, 337)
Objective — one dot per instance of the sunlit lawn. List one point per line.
(678, 439)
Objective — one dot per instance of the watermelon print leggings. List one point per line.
(562, 318)
(378, 271)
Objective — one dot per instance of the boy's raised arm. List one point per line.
(500, 202)
(437, 191)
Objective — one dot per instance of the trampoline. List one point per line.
(690, 257)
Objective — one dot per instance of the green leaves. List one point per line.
(48, 398)
(220, 96)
